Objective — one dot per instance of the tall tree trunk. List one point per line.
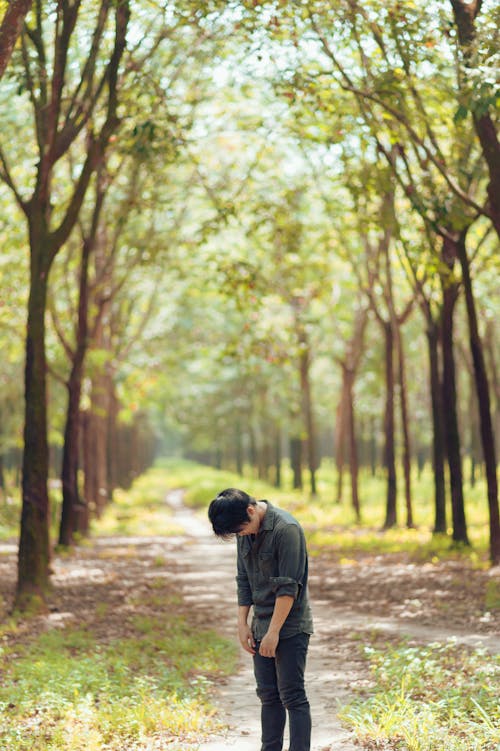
(72, 502)
(12, 23)
(238, 449)
(389, 449)
(82, 521)
(277, 458)
(465, 13)
(69, 474)
(373, 446)
(340, 437)
(450, 295)
(115, 464)
(403, 395)
(305, 384)
(483, 396)
(34, 551)
(253, 448)
(353, 449)
(296, 461)
(438, 447)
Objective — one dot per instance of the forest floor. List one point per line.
(101, 581)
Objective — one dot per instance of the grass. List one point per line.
(434, 698)
(141, 510)
(68, 690)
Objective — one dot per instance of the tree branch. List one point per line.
(12, 24)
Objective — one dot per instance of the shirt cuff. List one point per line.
(284, 585)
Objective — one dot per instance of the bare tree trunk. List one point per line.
(373, 447)
(238, 449)
(72, 502)
(450, 295)
(438, 447)
(12, 23)
(296, 461)
(340, 437)
(353, 449)
(34, 550)
(308, 418)
(465, 13)
(405, 427)
(389, 450)
(277, 458)
(483, 396)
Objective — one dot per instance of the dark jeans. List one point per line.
(280, 687)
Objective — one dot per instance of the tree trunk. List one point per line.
(277, 459)
(340, 437)
(33, 558)
(389, 449)
(305, 384)
(353, 449)
(69, 474)
(465, 13)
(296, 462)
(373, 447)
(405, 428)
(82, 521)
(483, 396)
(116, 461)
(238, 449)
(253, 448)
(438, 447)
(72, 503)
(450, 295)
(12, 23)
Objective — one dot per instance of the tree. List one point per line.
(64, 103)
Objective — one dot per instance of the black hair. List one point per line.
(229, 511)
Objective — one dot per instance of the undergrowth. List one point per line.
(68, 690)
(439, 697)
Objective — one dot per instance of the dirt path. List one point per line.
(207, 570)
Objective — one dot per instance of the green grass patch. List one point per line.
(141, 510)
(67, 690)
(492, 595)
(435, 698)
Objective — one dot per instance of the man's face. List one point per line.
(251, 527)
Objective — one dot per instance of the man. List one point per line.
(271, 577)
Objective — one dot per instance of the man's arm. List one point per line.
(244, 631)
(282, 607)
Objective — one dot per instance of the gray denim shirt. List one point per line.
(270, 566)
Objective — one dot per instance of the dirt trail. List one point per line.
(206, 573)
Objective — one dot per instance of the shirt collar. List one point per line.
(269, 517)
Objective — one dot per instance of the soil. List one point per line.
(102, 582)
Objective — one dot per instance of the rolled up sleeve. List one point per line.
(291, 562)
(243, 584)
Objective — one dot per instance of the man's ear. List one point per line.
(251, 509)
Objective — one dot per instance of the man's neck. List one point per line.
(261, 510)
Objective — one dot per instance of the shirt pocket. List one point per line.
(267, 565)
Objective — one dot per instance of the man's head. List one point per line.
(233, 512)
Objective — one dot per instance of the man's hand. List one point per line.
(269, 643)
(246, 639)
